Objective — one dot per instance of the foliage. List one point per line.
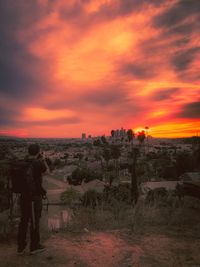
(120, 193)
(196, 157)
(83, 174)
(97, 142)
(70, 196)
(103, 140)
(112, 133)
(130, 135)
(106, 154)
(91, 198)
(4, 186)
(184, 163)
(115, 152)
(141, 137)
(58, 163)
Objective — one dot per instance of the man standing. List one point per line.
(31, 201)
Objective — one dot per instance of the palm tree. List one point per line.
(141, 137)
(130, 135)
(147, 128)
(112, 133)
(133, 154)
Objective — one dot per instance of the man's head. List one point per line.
(34, 149)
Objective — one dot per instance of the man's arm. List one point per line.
(45, 167)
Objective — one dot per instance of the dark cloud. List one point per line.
(182, 42)
(166, 94)
(73, 12)
(8, 115)
(177, 13)
(182, 60)
(14, 122)
(183, 29)
(139, 70)
(112, 95)
(191, 110)
(107, 11)
(125, 7)
(60, 121)
(19, 70)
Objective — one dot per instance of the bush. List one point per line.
(91, 198)
(70, 197)
(120, 193)
(85, 175)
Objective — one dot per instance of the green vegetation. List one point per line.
(70, 197)
(83, 174)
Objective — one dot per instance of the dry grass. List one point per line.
(171, 215)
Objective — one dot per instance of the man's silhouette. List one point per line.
(31, 203)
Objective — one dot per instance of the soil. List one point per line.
(108, 249)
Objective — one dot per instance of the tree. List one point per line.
(141, 137)
(107, 156)
(112, 133)
(134, 183)
(184, 162)
(130, 135)
(196, 158)
(133, 155)
(66, 156)
(147, 128)
(115, 154)
(103, 140)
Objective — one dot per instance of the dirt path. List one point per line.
(108, 249)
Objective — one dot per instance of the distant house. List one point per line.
(190, 176)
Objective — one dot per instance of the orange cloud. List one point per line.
(89, 66)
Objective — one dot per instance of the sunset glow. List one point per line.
(68, 67)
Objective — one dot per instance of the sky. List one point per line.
(90, 66)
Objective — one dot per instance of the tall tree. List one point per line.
(133, 155)
(103, 140)
(130, 135)
(141, 137)
(116, 153)
(134, 183)
(112, 133)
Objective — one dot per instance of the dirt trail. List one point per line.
(107, 249)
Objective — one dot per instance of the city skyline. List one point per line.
(73, 67)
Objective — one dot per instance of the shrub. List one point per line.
(91, 198)
(70, 197)
(85, 175)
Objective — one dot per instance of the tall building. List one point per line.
(119, 133)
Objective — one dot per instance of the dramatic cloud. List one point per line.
(183, 59)
(68, 67)
(166, 94)
(191, 110)
(177, 13)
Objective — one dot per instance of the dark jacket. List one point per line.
(38, 168)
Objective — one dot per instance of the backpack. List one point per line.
(22, 179)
